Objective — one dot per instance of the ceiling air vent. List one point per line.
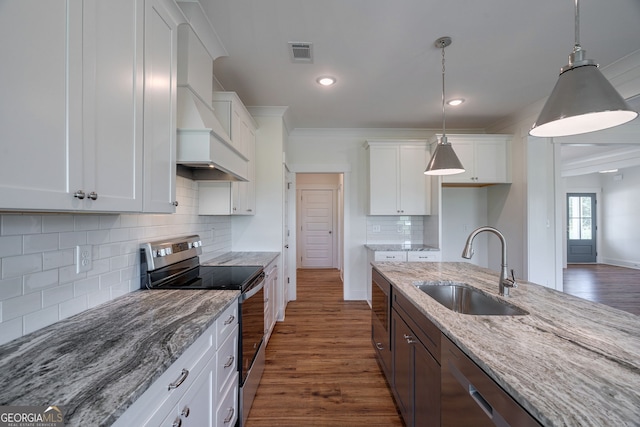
(300, 52)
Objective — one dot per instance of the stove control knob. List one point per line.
(169, 251)
(189, 245)
(162, 252)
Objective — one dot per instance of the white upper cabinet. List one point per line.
(397, 183)
(484, 158)
(72, 135)
(235, 120)
(236, 197)
(40, 129)
(112, 93)
(160, 58)
(244, 193)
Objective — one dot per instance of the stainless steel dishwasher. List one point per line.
(469, 397)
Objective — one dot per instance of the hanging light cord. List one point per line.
(444, 132)
(577, 25)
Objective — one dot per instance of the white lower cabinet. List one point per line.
(270, 299)
(424, 256)
(200, 388)
(390, 256)
(194, 409)
(227, 411)
(410, 256)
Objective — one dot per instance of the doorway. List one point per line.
(319, 219)
(316, 228)
(581, 228)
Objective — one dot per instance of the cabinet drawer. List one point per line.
(390, 256)
(226, 323)
(423, 256)
(227, 363)
(227, 411)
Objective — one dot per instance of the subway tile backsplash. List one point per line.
(39, 284)
(395, 229)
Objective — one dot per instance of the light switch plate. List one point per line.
(83, 258)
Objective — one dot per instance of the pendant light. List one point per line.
(582, 100)
(444, 160)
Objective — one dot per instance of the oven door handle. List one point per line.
(254, 289)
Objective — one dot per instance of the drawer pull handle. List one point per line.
(230, 320)
(230, 416)
(177, 422)
(409, 339)
(229, 361)
(185, 412)
(183, 376)
(482, 403)
(379, 346)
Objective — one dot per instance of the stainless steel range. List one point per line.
(174, 264)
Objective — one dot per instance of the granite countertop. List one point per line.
(570, 362)
(243, 258)
(400, 247)
(98, 362)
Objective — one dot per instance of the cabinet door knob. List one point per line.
(175, 203)
(379, 346)
(185, 411)
(79, 194)
(93, 195)
(177, 422)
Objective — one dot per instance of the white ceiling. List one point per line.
(505, 55)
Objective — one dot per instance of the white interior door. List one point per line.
(316, 228)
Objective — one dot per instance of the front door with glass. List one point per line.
(581, 228)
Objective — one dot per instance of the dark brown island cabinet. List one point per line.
(433, 382)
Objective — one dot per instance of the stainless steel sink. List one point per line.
(462, 298)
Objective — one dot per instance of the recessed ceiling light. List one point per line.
(454, 102)
(326, 80)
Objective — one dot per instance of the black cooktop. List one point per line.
(185, 276)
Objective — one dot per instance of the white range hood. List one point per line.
(203, 145)
(204, 149)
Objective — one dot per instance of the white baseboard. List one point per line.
(621, 263)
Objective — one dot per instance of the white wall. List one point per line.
(38, 280)
(620, 209)
(263, 231)
(464, 210)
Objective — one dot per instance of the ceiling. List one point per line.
(505, 55)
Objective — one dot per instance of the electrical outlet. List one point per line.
(375, 229)
(83, 258)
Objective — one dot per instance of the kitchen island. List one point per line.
(569, 362)
(98, 362)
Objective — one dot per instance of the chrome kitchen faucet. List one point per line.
(505, 282)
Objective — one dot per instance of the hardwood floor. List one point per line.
(618, 287)
(320, 365)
